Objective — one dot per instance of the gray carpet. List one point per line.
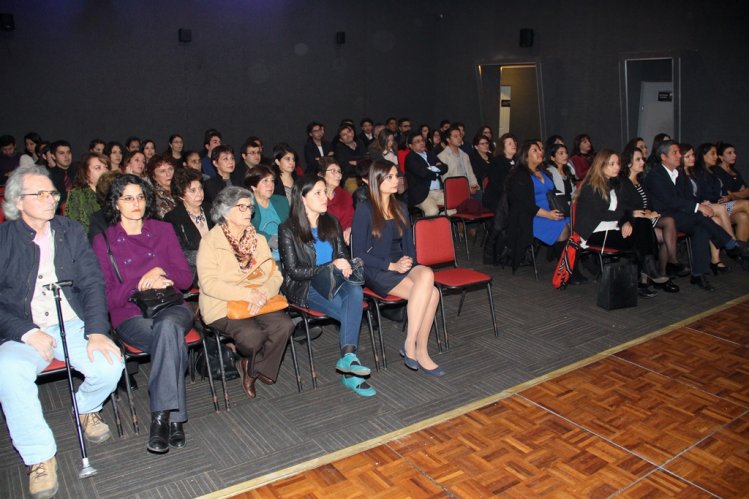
(541, 329)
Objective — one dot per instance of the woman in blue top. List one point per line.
(310, 240)
(271, 210)
(382, 238)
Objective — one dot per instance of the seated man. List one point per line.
(457, 161)
(672, 196)
(38, 248)
(423, 171)
(347, 152)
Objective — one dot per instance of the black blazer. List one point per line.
(419, 176)
(298, 258)
(498, 173)
(187, 233)
(669, 199)
(216, 184)
(312, 154)
(521, 199)
(592, 209)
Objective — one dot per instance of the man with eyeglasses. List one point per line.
(316, 146)
(251, 157)
(38, 248)
(423, 170)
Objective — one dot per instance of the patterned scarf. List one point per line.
(244, 248)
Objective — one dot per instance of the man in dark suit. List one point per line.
(423, 170)
(672, 196)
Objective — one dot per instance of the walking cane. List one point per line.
(86, 469)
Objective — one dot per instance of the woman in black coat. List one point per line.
(189, 216)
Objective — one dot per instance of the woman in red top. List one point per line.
(582, 155)
(340, 202)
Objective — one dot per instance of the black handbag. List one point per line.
(559, 202)
(150, 301)
(230, 368)
(329, 280)
(617, 287)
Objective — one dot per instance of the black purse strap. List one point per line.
(111, 257)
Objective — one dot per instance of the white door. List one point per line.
(505, 93)
(656, 109)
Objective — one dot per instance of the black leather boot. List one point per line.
(158, 440)
(176, 435)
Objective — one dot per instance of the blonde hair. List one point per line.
(595, 177)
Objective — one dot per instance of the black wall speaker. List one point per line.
(340, 37)
(7, 23)
(526, 37)
(185, 35)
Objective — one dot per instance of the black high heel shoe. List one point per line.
(719, 268)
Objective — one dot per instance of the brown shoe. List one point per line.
(43, 479)
(94, 428)
(265, 379)
(248, 382)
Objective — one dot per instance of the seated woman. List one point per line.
(82, 201)
(382, 238)
(270, 210)
(115, 152)
(312, 238)
(235, 264)
(559, 170)
(582, 155)
(481, 157)
(734, 188)
(148, 256)
(602, 219)
(134, 164)
(384, 147)
(160, 171)
(707, 188)
(530, 215)
(340, 202)
(148, 148)
(635, 199)
(504, 162)
(189, 217)
(173, 152)
(284, 159)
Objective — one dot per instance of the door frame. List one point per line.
(495, 66)
(626, 119)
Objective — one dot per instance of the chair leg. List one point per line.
(294, 359)
(116, 412)
(133, 414)
(688, 241)
(444, 320)
(211, 384)
(462, 299)
(222, 370)
(372, 338)
(491, 308)
(312, 371)
(533, 260)
(437, 334)
(465, 238)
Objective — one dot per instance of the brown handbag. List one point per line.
(239, 309)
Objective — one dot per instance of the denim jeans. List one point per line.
(163, 337)
(345, 307)
(19, 395)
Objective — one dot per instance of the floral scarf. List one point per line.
(244, 247)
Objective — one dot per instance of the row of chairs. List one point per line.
(433, 238)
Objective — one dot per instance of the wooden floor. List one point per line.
(665, 417)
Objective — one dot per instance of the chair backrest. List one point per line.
(433, 239)
(456, 191)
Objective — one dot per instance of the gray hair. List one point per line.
(226, 200)
(14, 188)
(663, 148)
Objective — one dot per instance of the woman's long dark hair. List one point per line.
(377, 173)
(327, 228)
(111, 213)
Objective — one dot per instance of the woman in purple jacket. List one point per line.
(148, 256)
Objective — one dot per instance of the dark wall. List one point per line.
(110, 69)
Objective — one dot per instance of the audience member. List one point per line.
(82, 202)
(160, 172)
(340, 203)
(269, 210)
(423, 171)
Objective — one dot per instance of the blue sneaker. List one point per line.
(349, 364)
(355, 383)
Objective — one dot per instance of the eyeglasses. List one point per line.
(129, 199)
(334, 171)
(243, 207)
(43, 195)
